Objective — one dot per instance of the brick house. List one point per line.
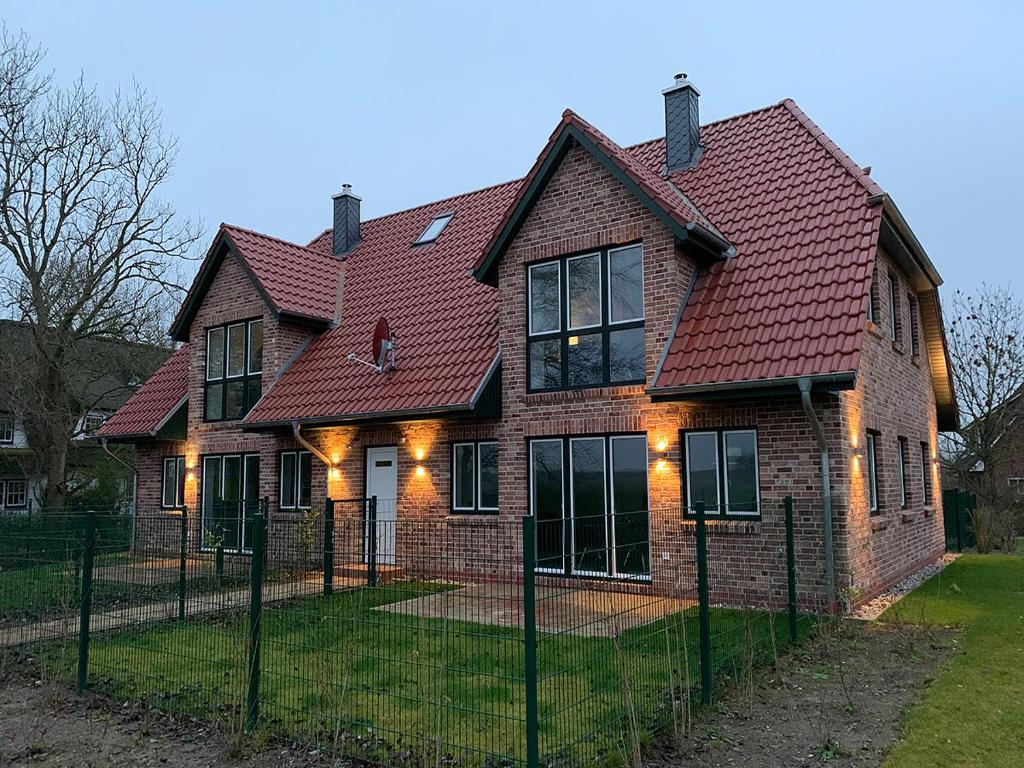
(730, 314)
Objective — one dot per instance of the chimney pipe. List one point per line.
(346, 221)
(682, 125)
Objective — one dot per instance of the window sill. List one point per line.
(916, 360)
(471, 518)
(731, 526)
(875, 329)
(879, 523)
(897, 347)
(929, 510)
(592, 393)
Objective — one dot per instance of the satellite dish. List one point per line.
(383, 349)
(381, 342)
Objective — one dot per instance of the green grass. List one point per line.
(973, 712)
(402, 688)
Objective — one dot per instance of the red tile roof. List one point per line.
(793, 300)
(147, 410)
(294, 279)
(790, 303)
(445, 322)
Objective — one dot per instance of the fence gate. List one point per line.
(957, 506)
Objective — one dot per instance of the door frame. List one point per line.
(366, 496)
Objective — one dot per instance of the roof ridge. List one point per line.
(719, 121)
(225, 225)
(869, 184)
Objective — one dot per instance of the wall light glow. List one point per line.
(420, 470)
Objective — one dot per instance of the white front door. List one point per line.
(382, 482)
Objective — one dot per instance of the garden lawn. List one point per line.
(973, 713)
(386, 684)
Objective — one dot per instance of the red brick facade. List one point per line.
(583, 207)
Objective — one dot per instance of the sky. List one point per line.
(276, 105)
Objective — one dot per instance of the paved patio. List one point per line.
(582, 612)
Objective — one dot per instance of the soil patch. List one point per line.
(837, 700)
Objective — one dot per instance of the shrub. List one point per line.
(996, 527)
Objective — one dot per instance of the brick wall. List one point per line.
(894, 398)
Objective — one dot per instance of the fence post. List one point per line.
(259, 552)
(85, 609)
(790, 568)
(182, 562)
(218, 555)
(530, 639)
(371, 558)
(329, 548)
(704, 609)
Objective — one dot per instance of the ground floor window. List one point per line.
(721, 471)
(172, 494)
(296, 476)
(230, 497)
(475, 477)
(872, 472)
(13, 494)
(926, 462)
(901, 443)
(589, 497)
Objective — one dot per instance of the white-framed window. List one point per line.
(872, 472)
(172, 495)
(901, 443)
(92, 422)
(585, 320)
(6, 427)
(475, 477)
(296, 480)
(722, 472)
(14, 494)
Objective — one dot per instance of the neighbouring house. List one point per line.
(730, 314)
(998, 474)
(114, 371)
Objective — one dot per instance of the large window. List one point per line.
(230, 497)
(872, 473)
(13, 494)
(296, 480)
(904, 457)
(234, 368)
(722, 472)
(586, 320)
(173, 492)
(6, 427)
(589, 497)
(475, 477)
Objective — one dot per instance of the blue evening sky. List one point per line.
(275, 105)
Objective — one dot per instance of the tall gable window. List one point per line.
(895, 320)
(234, 370)
(585, 321)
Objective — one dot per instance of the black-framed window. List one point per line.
(229, 498)
(14, 494)
(721, 469)
(234, 369)
(915, 325)
(871, 457)
(475, 477)
(6, 427)
(589, 496)
(434, 229)
(296, 480)
(895, 319)
(926, 480)
(904, 457)
(585, 320)
(172, 493)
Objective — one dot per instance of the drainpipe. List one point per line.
(826, 487)
(309, 446)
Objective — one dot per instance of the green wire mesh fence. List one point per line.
(476, 641)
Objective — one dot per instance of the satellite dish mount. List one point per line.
(383, 349)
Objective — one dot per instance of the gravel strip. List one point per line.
(872, 609)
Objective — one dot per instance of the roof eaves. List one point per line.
(365, 416)
(752, 387)
(168, 416)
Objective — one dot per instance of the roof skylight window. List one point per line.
(434, 229)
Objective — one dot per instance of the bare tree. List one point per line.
(89, 252)
(986, 346)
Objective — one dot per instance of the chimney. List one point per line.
(682, 125)
(346, 221)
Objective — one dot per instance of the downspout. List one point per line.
(296, 432)
(826, 488)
